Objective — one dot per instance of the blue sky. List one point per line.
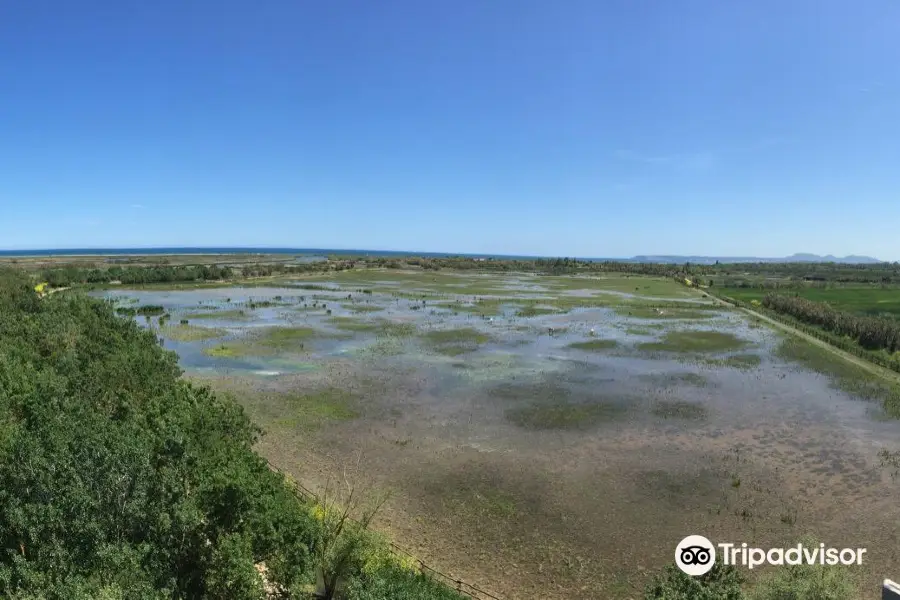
(577, 127)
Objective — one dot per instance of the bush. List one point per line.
(806, 582)
(393, 582)
(119, 479)
(721, 583)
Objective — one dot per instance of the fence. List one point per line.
(462, 587)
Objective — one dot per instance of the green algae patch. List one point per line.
(695, 341)
(453, 342)
(311, 410)
(282, 338)
(268, 341)
(594, 345)
(190, 333)
(229, 350)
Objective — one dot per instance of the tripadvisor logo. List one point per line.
(696, 555)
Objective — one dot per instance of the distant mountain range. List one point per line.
(794, 258)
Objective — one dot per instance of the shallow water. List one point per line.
(564, 508)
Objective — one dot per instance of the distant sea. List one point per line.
(231, 250)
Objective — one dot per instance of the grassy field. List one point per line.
(866, 300)
(695, 341)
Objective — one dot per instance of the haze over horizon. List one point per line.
(521, 128)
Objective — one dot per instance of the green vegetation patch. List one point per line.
(147, 310)
(395, 328)
(453, 342)
(362, 308)
(561, 414)
(536, 311)
(352, 324)
(746, 362)
(190, 333)
(279, 338)
(594, 345)
(680, 409)
(457, 336)
(638, 285)
(229, 350)
(310, 411)
(384, 346)
(843, 374)
(268, 341)
(695, 341)
(487, 308)
(380, 327)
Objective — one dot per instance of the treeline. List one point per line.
(268, 269)
(132, 275)
(120, 479)
(70, 275)
(872, 333)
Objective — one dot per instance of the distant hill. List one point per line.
(795, 258)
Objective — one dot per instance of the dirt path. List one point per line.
(860, 362)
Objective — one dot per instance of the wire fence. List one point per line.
(455, 583)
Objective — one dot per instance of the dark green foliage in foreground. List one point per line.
(119, 479)
(721, 583)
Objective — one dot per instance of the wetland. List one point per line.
(547, 436)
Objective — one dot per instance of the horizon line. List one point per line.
(99, 251)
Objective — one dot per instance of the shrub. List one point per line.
(721, 583)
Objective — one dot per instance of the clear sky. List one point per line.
(568, 127)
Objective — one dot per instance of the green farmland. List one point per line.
(862, 300)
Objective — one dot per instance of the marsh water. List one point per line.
(534, 441)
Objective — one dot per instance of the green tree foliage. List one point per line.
(872, 333)
(721, 583)
(396, 583)
(119, 479)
